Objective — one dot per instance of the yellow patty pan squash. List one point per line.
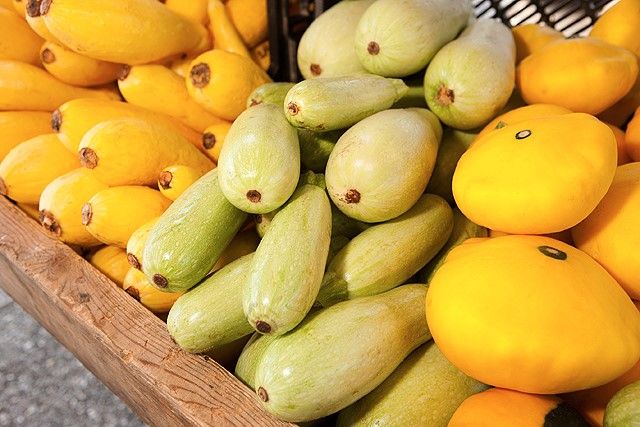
(537, 176)
(498, 407)
(611, 234)
(620, 25)
(528, 112)
(584, 75)
(532, 314)
(530, 38)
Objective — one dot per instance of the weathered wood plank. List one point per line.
(122, 343)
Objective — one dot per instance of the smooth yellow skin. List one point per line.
(215, 134)
(584, 75)
(38, 25)
(542, 183)
(225, 34)
(244, 243)
(7, 4)
(534, 111)
(75, 69)
(250, 19)
(620, 25)
(18, 41)
(611, 233)
(563, 236)
(27, 169)
(513, 312)
(620, 113)
(61, 206)
(19, 7)
(117, 212)
(26, 87)
(195, 10)
(135, 244)
(530, 38)
(112, 262)
(261, 55)
(632, 137)
(503, 408)
(127, 31)
(175, 179)
(623, 156)
(78, 116)
(133, 152)
(181, 66)
(159, 89)
(231, 80)
(18, 126)
(137, 285)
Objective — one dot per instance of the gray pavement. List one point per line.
(43, 384)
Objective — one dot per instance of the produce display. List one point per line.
(438, 227)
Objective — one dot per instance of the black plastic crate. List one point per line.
(288, 19)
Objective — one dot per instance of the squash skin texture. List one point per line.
(528, 112)
(538, 176)
(584, 75)
(507, 408)
(611, 234)
(577, 330)
(619, 26)
(530, 38)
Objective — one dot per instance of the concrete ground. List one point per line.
(42, 384)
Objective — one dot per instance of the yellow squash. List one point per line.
(507, 408)
(126, 31)
(135, 244)
(611, 234)
(244, 243)
(584, 75)
(61, 206)
(76, 69)
(19, 7)
(530, 38)
(8, 4)
(225, 35)
(112, 262)
(195, 10)
(174, 180)
(620, 113)
(213, 139)
(537, 176)
(250, 19)
(623, 156)
(532, 314)
(113, 214)
(632, 137)
(592, 402)
(180, 66)
(620, 25)
(130, 151)
(534, 111)
(73, 119)
(261, 55)
(31, 165)
(221, 82)
(18, 126)
(36, 22)
(137, 285)
(159, 89)
(26, 87)
(31, 210)
(18, 42)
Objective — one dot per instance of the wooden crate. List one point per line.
(115, 337)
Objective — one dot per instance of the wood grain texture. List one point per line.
(122, 343)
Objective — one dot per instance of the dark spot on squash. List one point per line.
(44, 7)
(445, 95)
(553, 252)
(315, 69)
(564, 415)
(373, 48)
(133, 292)
(263, 327)
(87, 213)
(160, 281)
(33, 8)
(352, 196)
(262, 394)
(47, 56)
(293, 108)
(164, 180)
(254, 196)
(88, 158)
(49, 222)
(208, 140)
(258, 219)
(500, 125)
(133, 261)
(255, 102)
(123, 72)
(200, 75)
(56, 121)
(523, 134)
